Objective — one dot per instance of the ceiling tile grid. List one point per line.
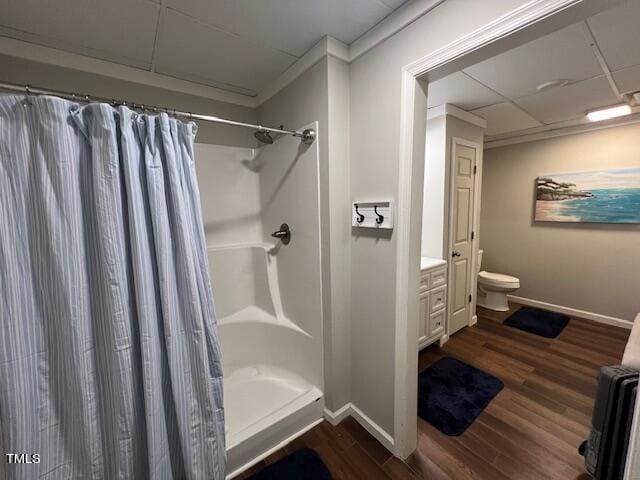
(291, 26)
(617, 32)
(239, 45)
(505, 86)
(505, 117)
(565, 54)
(192, 50)
(569, 102)
(462, 91)
(122, 31)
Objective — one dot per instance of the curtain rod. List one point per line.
(307, 136)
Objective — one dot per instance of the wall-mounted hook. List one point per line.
(360, 217)
(379, 218)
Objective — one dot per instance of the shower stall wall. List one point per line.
(267, 294)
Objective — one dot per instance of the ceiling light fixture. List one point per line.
(609, 112)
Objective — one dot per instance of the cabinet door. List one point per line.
(436, 323)
(423, 328)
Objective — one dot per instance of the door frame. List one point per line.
(530, 19)
(475, 225)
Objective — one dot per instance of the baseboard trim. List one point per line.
(369, 425)
(334, 418)
(473, 321)
(373, 428)
(596, 317)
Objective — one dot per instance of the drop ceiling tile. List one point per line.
(618, 34)
(505, 117)
(562, 54)
(193, 51)
(628, 79)
(117, 30)
(571, 101)
(462, 91)
(292, 26)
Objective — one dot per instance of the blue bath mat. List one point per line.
(304, 463)
(537, 321)
(452, 394)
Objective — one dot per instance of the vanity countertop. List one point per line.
(427, 263)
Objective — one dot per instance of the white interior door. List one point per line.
(464, 157)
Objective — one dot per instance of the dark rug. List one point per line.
(304, 463)
(451, 394)
(537, 321)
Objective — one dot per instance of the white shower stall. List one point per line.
(267, 294)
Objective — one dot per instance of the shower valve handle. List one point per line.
(284, 234)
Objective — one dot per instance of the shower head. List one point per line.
(263, 136)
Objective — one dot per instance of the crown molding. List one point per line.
(390, 25)
(326, 46)
(74, 61)
(561, 131)
(517, 19)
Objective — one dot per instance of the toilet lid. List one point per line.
(498, 278)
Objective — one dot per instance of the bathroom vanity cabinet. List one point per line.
(433, 301)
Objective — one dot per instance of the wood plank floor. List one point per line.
(531, 430)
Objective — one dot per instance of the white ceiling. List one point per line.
(238, 45)
(503, 91)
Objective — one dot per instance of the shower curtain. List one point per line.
(109, 358)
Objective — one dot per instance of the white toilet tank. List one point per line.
(480, 259)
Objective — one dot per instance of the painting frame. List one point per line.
(608, 196)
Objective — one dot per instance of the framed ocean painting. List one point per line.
(601, 196)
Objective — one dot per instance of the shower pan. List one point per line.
(268, 373)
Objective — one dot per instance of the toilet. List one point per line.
(494, 287)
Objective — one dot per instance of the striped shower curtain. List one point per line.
(109, 360)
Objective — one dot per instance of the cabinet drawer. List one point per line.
(437, 299)
(437, 278)
(436, 323)
(424, 281)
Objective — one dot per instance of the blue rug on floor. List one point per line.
(537, 321)
(452, 394)
(304, 463)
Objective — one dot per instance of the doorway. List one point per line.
(414, 94)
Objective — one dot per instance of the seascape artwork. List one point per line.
(602, 196)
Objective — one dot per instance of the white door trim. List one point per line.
(474, 226)
(407, 257)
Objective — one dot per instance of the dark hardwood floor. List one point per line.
(530, 431)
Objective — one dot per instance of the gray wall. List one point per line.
(589, 267)
(375, 132)
(17, 70)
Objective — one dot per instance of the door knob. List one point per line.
(455, 253)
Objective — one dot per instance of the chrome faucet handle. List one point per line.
(284, 234)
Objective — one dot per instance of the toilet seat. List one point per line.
(498, 280)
